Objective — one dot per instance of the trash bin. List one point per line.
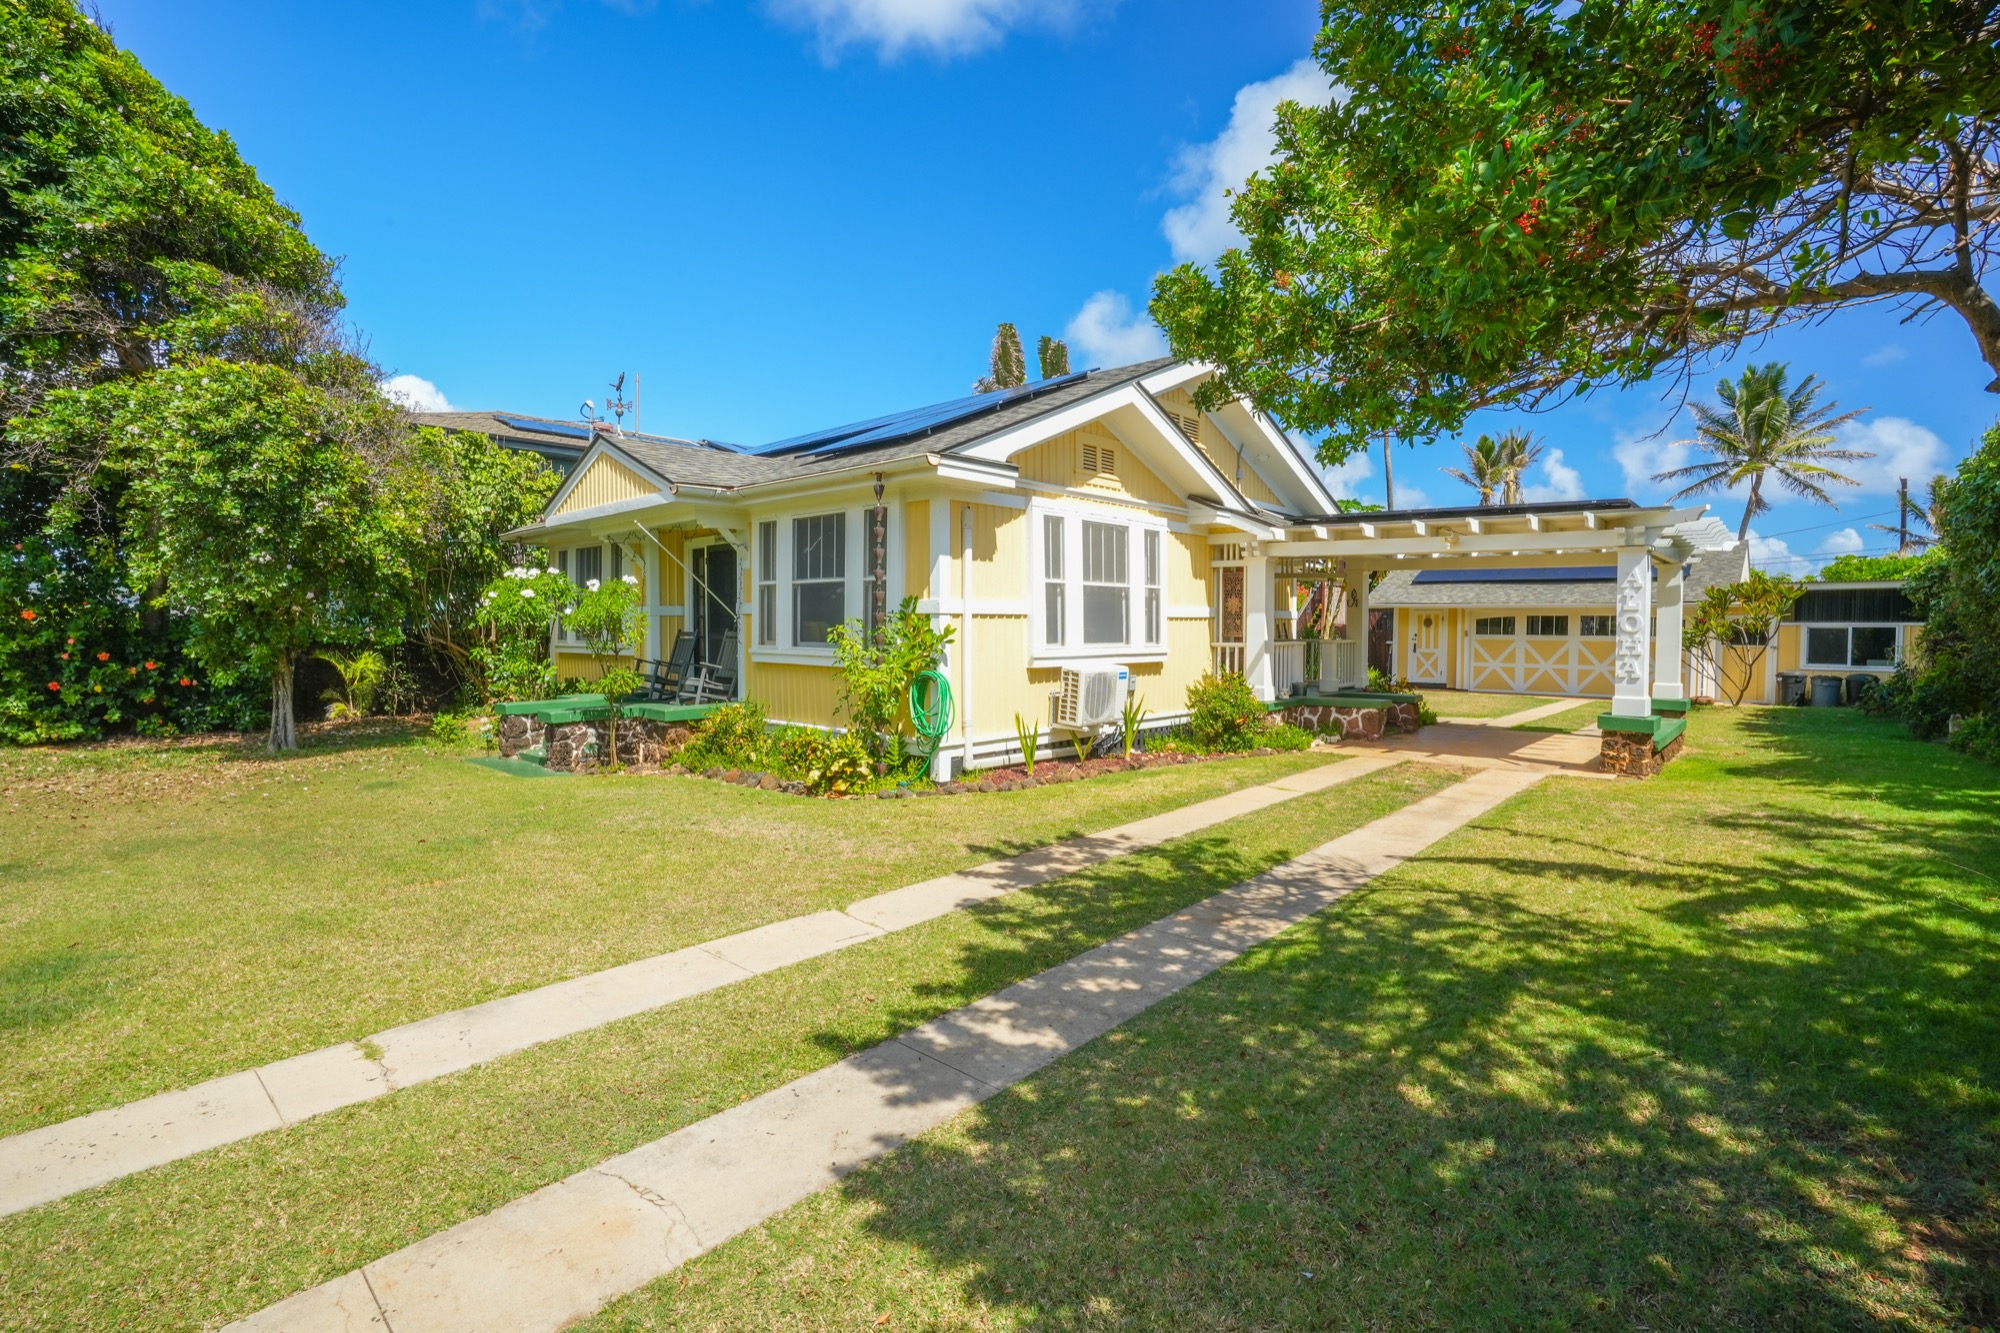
(1826, 692)
(1859, 686)
(1792, 688)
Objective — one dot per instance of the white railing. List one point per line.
(1293, 661)
(1349, 663)
(1228, 658)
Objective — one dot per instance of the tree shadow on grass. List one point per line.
(1756, 1092)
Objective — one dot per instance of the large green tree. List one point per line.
(1510, 201)
(115, 204)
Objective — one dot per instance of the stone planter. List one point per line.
(1353, 723)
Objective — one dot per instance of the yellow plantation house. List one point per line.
(1096, 521)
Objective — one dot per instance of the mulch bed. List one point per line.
(1048, 773)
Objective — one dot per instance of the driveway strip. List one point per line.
(48, 1163)
(551, 1258)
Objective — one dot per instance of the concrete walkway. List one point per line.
(1535, 714)
(40, 1165)
(1499, 747)
(552, 1257)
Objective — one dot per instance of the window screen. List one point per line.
(1494, 625)
(1107, 591)
(1055, 600)
(819, 577)
(1826, 645)
(1152, 572)
(1872, 645)
(767, 583)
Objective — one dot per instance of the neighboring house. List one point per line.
(1098, 519)
(1843, 629)
(1535, 630)
(562, 443)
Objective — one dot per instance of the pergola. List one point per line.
(1644, 543)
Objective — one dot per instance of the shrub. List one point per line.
(1223, 713)
(826, 763)
(361, 677)
(878, 667)
(1921, 701)
(1979, 737)
(733, 736)
(1285, 736)
(450, 728)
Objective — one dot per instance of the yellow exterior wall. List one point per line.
(606, 481)
(999, 554)
(789, 692)
(917, 549)
(999, 691)
(1187, 574)
(1058, 463)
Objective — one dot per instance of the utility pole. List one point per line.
(1388, 473)
(1902, 516)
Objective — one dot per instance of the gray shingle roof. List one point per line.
(1706, 570)
(696, 464)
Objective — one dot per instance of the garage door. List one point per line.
(1540, 652)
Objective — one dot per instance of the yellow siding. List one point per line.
(606, 482)
(999, 691)
(1058, 463)
(1187, 570)
(1791, 646)
(917, 549)
(789, 692)
(999, 553)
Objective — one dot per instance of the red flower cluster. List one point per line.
(27, 615)
(56, 686)
(186, 681)
(104, 657)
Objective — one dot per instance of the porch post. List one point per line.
(1631, 696)
(1667, 641)
(1258, 624)
(1357, 615)
(654, 602)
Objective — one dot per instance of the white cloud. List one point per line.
(1343, 477)
(1901, 447)
(1845, 542)
(1201, 229)
(1641, 455)
(1108, 332)
(1559, 481)
(1886, 355)
(1775, 555)
(415, 394)
(934, 27)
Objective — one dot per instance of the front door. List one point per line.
(714, 599)
(1427, 648)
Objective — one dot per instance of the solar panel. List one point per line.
(915, 421)
(544, 427)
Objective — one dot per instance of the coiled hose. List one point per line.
(930, 710)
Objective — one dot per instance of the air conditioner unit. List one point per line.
(1092, 697)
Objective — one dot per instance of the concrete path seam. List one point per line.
(53, 1161)
(1534, 714)
(551, 1258)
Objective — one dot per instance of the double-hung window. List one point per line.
(1107, 589)
(819, 577)
(1850, 645)
(767, 584)
(1154, 611)
(1055, 599)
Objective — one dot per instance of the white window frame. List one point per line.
(1806, 629)
(563, 558)
(1072, 648)
(766, 581)
(858, 519)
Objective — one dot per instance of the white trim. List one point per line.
(822, 657)
(1074, 515)
(1100, 409)
(1015, 607)
(599, 447)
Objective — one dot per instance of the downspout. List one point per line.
(878, 560)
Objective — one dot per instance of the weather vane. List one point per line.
(618, 404)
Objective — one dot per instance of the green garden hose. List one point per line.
(930, 709)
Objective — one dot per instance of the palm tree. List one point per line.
(1484, 470)
(1916, 526)
(1519, 451)
(1765, 427)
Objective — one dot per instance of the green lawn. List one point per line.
(215, 1237)
(1570, 719)
(1468, 703)
(1720, 1050)
(177, 912)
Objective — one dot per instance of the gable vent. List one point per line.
(1190, 426)
(1098, 460)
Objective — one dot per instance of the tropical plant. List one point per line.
(1518, 451)
(1766, 427)
(1006, 366)
(1223, 712)
(1132, 721)
(878, 666)
(1484, 470)
(1874, 568)
(1730, 629)
(1515, 201)
(516, 616)
(1029, 736)
(1917, 522)
(361, 675)
(1053, 353)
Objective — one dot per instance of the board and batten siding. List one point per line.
(606, 481)
(1207, 437)
(1060, 462)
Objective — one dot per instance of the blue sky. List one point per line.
(785, 214)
